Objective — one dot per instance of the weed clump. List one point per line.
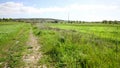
(62, 40)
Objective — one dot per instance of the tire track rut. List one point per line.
(31, 59)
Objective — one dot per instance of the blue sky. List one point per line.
(85, 10)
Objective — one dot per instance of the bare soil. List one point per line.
(31, 59)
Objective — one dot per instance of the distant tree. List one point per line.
(55, 21)
(116, 22)
(79, 21)
(4, 19)
(7, 19)
(0, 19)
(110, 22)
(83, 21)
(104, 21)
(70, 21)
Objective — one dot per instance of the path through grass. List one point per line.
(33, 55)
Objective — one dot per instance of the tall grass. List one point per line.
(13, 37)
(76, 49)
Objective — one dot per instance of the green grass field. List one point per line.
(80, 45)
(87, 45)
(13, 37)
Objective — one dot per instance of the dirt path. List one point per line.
(31, 59)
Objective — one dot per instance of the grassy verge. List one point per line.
(69, 49)
(13, 37)
(110, 31)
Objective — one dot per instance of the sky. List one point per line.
(83, 10)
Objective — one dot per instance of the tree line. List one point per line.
(56, 21)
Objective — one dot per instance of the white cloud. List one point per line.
(10, 8)
(92, 7)
(86, 11)
(17, 8)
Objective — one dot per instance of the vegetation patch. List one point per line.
(12, 43)
(83, 48)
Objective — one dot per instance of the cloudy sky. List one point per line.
(85, 10)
